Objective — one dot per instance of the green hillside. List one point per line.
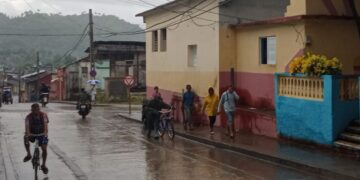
(20, 49)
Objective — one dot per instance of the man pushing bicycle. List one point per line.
(36, 127)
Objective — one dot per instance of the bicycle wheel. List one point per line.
(36, 162)
(170, 129)
(161, 130)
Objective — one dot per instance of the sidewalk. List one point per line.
(297, 156)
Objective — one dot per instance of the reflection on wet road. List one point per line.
(106, 147)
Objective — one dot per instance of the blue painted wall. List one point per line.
(343, 111)
(315, 121)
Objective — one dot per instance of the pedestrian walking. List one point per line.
(210, 107)
(188, 106)
(156, 94)
(93, 94)
(228, 101)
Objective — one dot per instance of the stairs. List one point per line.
(350, 139)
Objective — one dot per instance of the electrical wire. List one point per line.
(70, 51)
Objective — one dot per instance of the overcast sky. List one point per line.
(124, 9)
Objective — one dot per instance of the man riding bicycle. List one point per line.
(36, 123)
(152, 113)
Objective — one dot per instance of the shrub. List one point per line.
(315, 65)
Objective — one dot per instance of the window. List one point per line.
(155, 41)
(163, 40)
(192, 55)
(268, 50)
(84, 72)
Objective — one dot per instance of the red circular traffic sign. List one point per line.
(129, 81)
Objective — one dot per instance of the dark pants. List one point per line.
(152, 120)
(212, 121)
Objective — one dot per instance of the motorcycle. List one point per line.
(7, 99)
(7, 96)
(84, 110)
(44, 99)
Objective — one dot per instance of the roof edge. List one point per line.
(142, 14)
(283, 20)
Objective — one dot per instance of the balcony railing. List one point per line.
(301, 87)
(349, 89)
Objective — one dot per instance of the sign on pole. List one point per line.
(129, 82)
(93, 73)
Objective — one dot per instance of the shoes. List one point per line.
(44, 169)
(212, 132)
(27, 158)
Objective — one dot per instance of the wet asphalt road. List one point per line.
(105, 146)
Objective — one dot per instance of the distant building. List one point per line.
(30, 82)
(115, 60)
(70, 79)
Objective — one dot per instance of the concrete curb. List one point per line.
(77, 171)
(261, 156)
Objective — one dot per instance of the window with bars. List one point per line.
(155, 41)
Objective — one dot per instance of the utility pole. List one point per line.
(3, 85)
(91, 47)
(37, 75)
(91, 55)
(19, 88)
(137, 69)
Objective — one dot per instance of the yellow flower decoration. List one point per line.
(315, 65)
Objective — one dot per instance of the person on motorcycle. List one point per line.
(152, 114)
(7, 95)
(36, 123)
(84, 98)
(43, 90)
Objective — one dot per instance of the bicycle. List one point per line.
(36, 156)
(166, 123)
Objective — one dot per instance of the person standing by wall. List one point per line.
(156, 93)
(210, 107)
(188, 106)
(228, 101)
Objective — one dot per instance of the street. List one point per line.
(104, 146)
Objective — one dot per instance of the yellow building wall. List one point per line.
(317, 7)
(296, 7)
(227, 48)
(289, 41)
(169, 70)
(335, 38)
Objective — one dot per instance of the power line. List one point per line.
(41, 35)
(28, 4)
(149, 29)
(70, 51)
(162, 22)
(59, 11)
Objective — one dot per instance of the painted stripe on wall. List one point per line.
(255, 89)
